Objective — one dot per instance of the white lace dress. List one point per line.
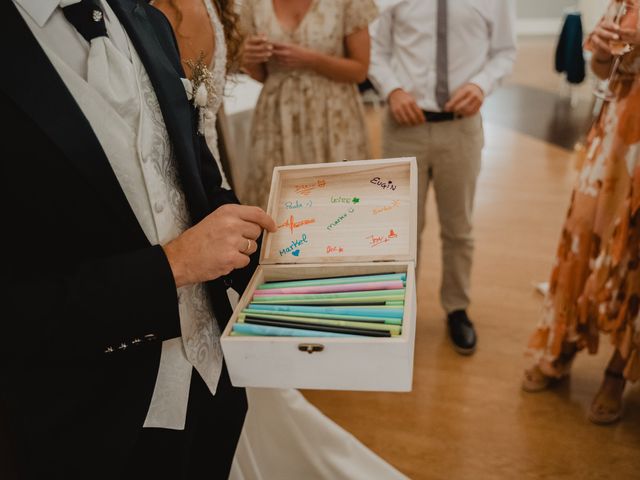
(284, 436)
(219, 72)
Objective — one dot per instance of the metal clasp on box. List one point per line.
(310, 347)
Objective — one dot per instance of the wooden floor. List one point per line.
(467, 418)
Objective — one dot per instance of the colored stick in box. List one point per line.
(392, 329)
(335, 281)
(370, 297)
(245, 329)
(383, 312)
(258, 308)
(317, 328)
(338, 288)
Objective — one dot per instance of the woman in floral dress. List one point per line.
(310, 55)
(595, 282)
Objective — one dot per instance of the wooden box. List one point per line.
(334, 219)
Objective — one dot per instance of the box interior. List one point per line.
(343, 212)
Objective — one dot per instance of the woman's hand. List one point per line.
(293, 56)
(256, 50)
(630, 36)
(605, 32)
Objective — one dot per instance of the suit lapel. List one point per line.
(177, 112)
(38, 90)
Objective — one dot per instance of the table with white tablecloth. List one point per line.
(241, 96)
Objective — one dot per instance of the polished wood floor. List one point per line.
(466, 417)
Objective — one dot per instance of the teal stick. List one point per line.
(334, 281)
(328, 316)
(266, 331)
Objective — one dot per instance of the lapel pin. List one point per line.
(97, 15)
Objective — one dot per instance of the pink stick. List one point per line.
(349, 287)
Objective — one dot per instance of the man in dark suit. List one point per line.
(87, 299)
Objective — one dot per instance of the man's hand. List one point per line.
(256, 50)
(404, 108)
(466, 101)
(293, 56)
(220, 243)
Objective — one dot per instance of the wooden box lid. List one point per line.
(358, 211)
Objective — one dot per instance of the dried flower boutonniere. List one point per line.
(200, 89)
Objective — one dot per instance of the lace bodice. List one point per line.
(218, 65)
(218, 69)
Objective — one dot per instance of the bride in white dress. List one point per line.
(284, 436)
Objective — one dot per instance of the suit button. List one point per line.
(150, 337)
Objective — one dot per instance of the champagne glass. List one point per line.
(625, 15)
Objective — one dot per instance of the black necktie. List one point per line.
(88, 18)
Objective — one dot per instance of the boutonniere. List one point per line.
(200, 89)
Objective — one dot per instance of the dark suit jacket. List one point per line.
(78, 273)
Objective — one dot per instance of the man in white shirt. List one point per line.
(435, 61)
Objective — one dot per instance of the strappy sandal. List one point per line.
(601, 414)
(534, 380)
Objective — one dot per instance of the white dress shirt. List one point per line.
(481, 47)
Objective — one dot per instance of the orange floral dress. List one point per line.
(595, 282)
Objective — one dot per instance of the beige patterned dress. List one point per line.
(301, 116)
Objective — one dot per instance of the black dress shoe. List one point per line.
(461, 332)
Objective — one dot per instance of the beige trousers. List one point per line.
(449, 156)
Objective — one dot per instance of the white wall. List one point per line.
(544, 17)
(543, 8)
(592, 11)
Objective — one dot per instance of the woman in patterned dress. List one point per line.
(310, 55)
(595, 282)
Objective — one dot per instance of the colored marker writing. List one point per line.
(332, 249)
(297, 204)
(295, 246)
(385, 185)
(386, 208)
(290, 223)
(345, 199)
(340, 219)
(376, 240)
(306, 188)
